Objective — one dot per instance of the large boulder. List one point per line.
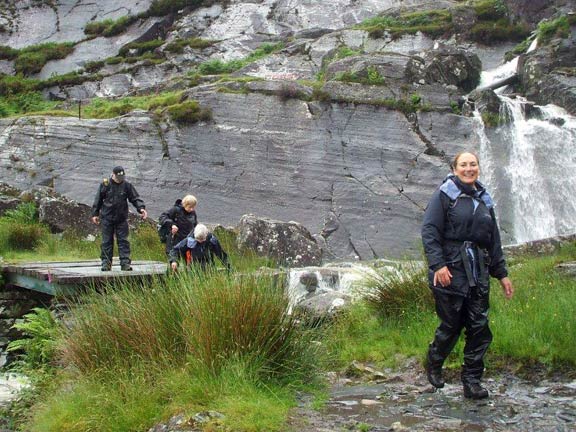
(532, 11)
(483, 101)
(288, 243)
(446, 65)
(62, 214)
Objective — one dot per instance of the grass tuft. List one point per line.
(558, 28)
(189, 112)
(395, 293)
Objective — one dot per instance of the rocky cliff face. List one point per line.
(346, 129)
(357, 174)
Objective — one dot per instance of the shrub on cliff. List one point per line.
(31, 60)
(433, 23)
(109, 27)
(165, 7)
(8, 53)
(12, 85)
(559, 27)
(178, 45)
(189, 112)
(493, 24)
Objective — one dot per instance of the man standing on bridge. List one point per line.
(110, 208)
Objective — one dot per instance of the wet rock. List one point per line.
(513, 406)
(99, 48)
(289, 161)
(10, 386)
(357, 370)
(541, 73)
(280, 88)
(8, 190)
(323, 307)
(7, 67)
(310, 281)
(485, 100)
(177, 423)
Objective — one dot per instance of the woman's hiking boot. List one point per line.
(475, 391)
(434, 375)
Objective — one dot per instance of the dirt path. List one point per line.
(404, 400)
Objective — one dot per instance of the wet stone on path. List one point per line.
(405, 401)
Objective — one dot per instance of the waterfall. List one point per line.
(541, 169)
(528, 163)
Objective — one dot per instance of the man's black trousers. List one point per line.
(120, 231)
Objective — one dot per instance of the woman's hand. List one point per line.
(174, 265)
(506, 284)
(174, 229)
(443, 276)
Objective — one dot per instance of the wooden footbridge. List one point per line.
(69, 278)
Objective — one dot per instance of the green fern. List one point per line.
(41, 330)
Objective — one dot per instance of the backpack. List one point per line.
(163, 232)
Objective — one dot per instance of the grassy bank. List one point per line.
(532, 328)
(212, 342)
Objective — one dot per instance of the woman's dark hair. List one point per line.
(455, 160)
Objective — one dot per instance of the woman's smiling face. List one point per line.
(467, 168)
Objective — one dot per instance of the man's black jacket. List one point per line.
(111, 201)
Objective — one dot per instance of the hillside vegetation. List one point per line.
(22, 93)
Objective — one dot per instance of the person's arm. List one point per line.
(433, 238)
(497, 268)
(433, 231)
(97, 205)
(219, 251)
(136, 201)
(167, 219)
(176, 253)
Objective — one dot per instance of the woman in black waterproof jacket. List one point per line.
(462, 245)
(179, 221)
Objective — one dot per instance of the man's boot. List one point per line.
(474, 391)
(434, 375)
(106, 266)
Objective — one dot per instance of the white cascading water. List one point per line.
(541, 169)
(534, 153)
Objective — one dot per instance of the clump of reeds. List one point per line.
(203, 317)
(393, 292)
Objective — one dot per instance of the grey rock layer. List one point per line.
(359, 175)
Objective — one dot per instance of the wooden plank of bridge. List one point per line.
(67, 278)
